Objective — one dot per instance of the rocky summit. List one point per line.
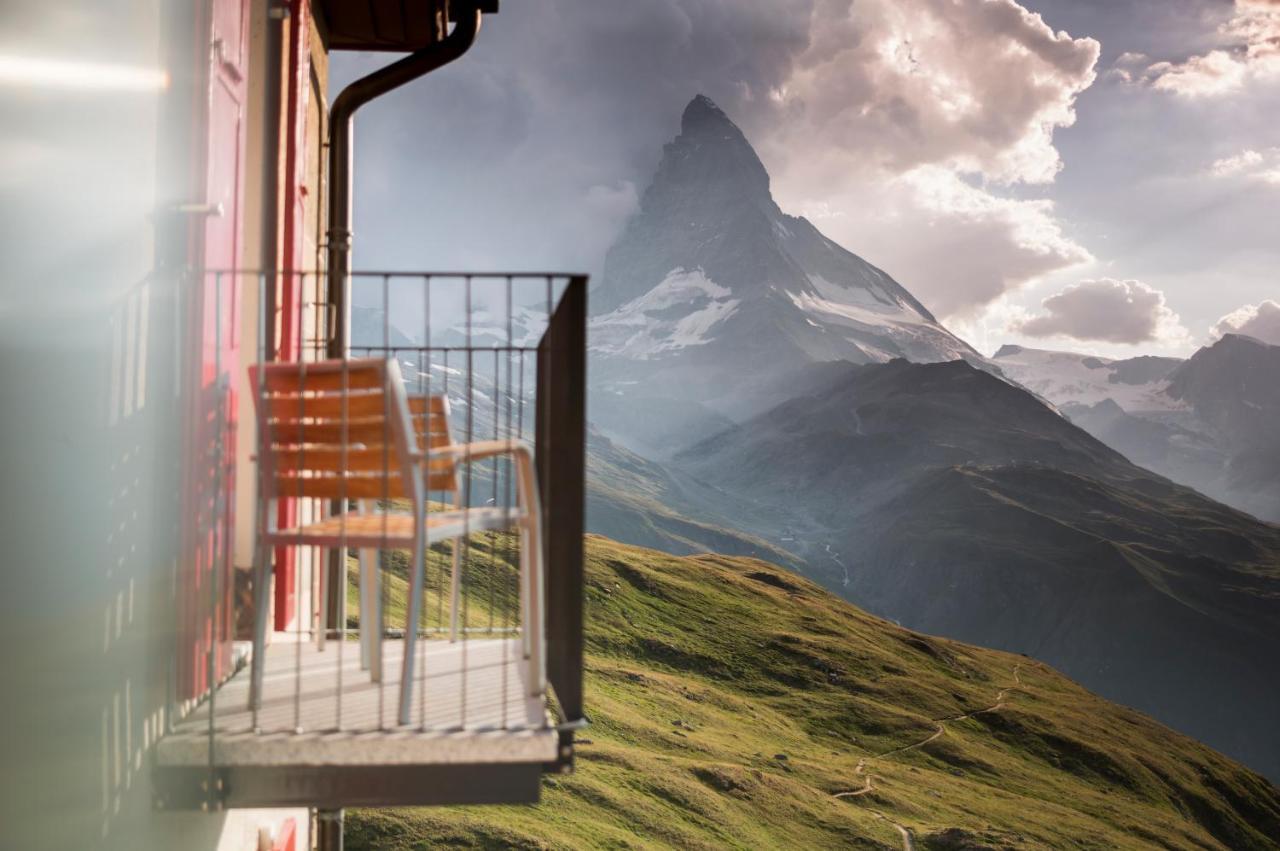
(711, 282)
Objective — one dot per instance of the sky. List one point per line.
(1095, 175)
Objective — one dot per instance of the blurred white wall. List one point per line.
(89, 436)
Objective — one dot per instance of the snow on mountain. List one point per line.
(1207, 422)
(712, 290)
(679, 312)
(1064, 378)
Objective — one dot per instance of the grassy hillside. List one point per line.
(737, 705)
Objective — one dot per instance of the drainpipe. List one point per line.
(277, 14)
(341, 125)
(341, 145)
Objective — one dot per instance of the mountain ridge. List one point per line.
(1207, 422)
(961, 505)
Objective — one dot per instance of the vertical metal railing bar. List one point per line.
(339, 577)
(543, 435)
(507, 504)
(261, 590)
(545, 429)
(466, 498)
(174, 657)
(519, 578)
(424, 390)
(383, 590)
(453, 545)
(298, 549)
(219, 425)
(493, 541)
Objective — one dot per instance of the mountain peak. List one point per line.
(1239, 341)
(716, 273)
(712, 151)
(702, 111)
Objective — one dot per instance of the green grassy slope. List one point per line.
(733, 702)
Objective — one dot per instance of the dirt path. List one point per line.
(868, 785)
(908, 841)
(861, 771)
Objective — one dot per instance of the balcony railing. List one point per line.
(409, 485)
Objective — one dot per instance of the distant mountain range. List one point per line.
(959, 504)
(1209, 422)
(712, 292)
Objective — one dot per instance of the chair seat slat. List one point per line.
(323, 376)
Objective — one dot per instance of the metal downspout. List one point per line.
(341, 127)
(277, 15)
(341, 148)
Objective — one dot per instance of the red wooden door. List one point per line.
(291, 280)
(213, 355)
(296, 272)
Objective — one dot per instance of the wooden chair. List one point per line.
(443, 458)
(347, 430)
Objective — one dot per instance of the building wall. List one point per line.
(90, 365)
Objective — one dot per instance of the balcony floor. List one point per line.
(474, 708)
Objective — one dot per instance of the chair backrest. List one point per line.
(335, 430)
(431, 425)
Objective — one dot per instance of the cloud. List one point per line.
(954, 245)
(1254, 320)
(903, 123)
(1251, 165)
(977, 86)
(1108, 311)
(1249, 49)
(930, 109)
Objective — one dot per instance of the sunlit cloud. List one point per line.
(1250, 164)
(43, 73)
(1107, 311)
(1249, 49)
(1261, 321)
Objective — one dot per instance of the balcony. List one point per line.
(410, 629)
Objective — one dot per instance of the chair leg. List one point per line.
(536, 631)
(455, 590)
(366, 599)
(375, 618)
(412, 614)
(525, 610)
(261, 598)
(322, 598)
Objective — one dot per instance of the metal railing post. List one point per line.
(561, 460)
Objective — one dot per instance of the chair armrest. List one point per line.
(479, 450)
